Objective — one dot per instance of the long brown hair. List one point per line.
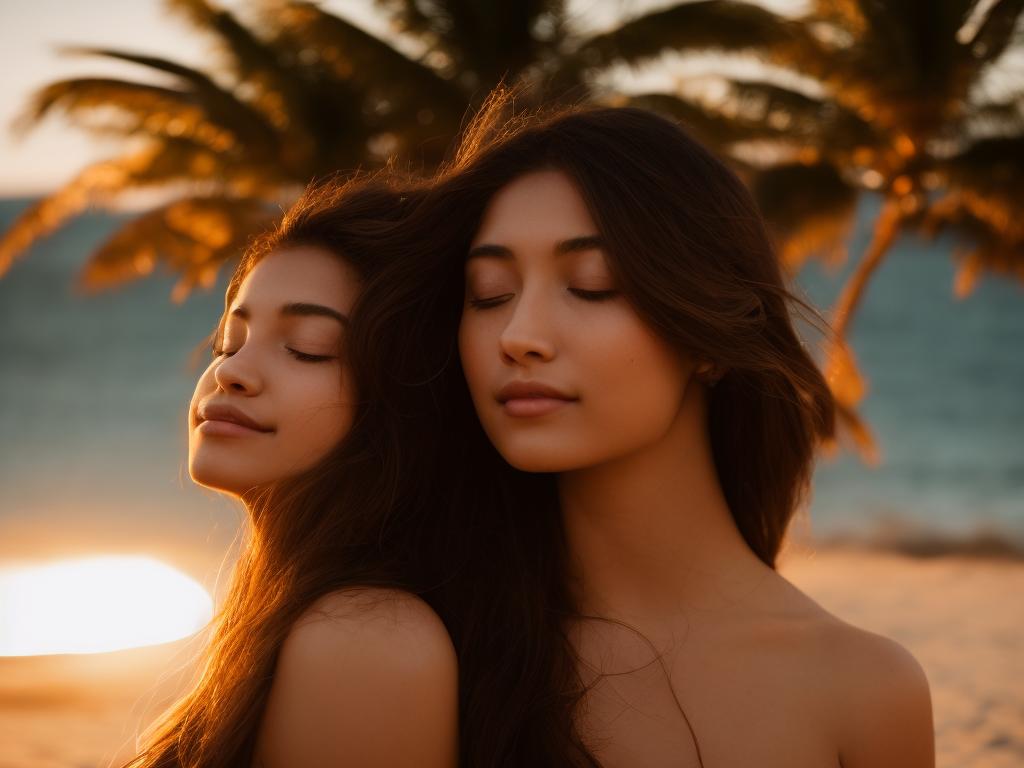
(417, 497)
(357, 517)
(693, 255)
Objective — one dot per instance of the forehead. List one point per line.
(541, 204)
(301, 274)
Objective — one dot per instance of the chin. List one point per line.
(216, 478)
(540, 456)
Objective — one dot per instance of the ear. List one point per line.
(709, 373)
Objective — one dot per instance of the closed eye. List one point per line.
(490, 301)
(307, 358)
(303, 356)
(593, 295)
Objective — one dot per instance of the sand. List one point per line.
(962, 617)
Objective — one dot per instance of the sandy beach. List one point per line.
(961, 616)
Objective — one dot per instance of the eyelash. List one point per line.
(494, 301)
(293, 352)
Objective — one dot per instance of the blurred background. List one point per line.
(141, 144)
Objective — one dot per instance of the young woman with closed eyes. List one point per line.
(626, 336)
(326, 652)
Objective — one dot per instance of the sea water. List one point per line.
(94, 392)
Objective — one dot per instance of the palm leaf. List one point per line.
(372, 101)
(139, 108)
(489, 40)
(996, 33)
(810, 210)
(192, 237)
(711, 25)
(997, 118)
(156, 165)
(251, 125)
(249, 57)
(850, 422)
(280, 85)
(987, 241)
(986, 180)
(709, 125)
(101, 181)
(845, 18)
(358, 57)
(816, 120)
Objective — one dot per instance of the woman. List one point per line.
(316, 411)
(626, 333)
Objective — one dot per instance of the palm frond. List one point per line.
(845, 19)
(356, 56)
(101, 181)
(987, 239)
(487, 40)
(711, 25)
(997, 118)
(808, 120)
(275, 82)
(159, 164)
(192, 237)
(498, 39)
(851, 423)
(810, 210)
(986, 181)
(369, 101)
(251, 124)
(135, 108)
(249, 57)
(995, 256)
(996, 33)
(707, 124)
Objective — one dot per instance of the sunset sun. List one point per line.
(96, 604)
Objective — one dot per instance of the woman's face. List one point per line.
(563, 372)
(278, 371)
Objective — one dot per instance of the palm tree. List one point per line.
(894, 101)
(901, 104)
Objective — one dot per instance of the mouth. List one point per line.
(532, 399)
(228, 421)
(533, 406)
(223, 428)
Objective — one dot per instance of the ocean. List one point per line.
(94, 392)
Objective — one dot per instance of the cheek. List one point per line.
(315, 416)
(634, 381)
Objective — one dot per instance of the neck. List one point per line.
(650, 533)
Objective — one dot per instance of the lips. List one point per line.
(529, 390)
(230, 414)
(532, 398)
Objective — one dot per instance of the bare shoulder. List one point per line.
(880, 701)
(871, 693)
(367, 676)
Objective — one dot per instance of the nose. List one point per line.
(527, 336)
(238, 373)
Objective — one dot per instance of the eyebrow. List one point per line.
(297, 309)
(572, 245)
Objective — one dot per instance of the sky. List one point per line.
(31, 31)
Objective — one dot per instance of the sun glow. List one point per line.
(97, 604)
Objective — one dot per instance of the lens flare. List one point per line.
(97, 604)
